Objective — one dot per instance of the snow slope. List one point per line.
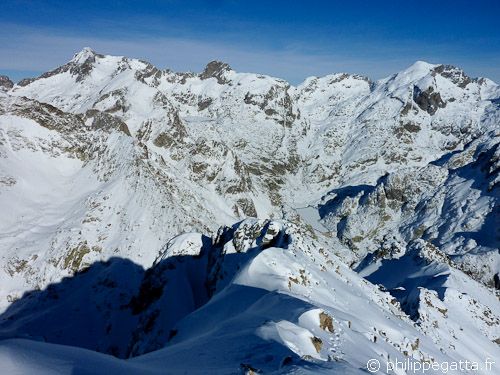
(266, 312)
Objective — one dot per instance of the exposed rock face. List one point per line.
(83, 63)
(428, 100)
(326, 322)
(455, 75)
(5, 83)
(216, 69)
(105, 121)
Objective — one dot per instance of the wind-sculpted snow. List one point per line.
(111, 166)
(256, 296)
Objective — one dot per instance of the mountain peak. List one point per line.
(216, 69)
(84, 55)
(418, 69)
(421, 65)
(82, 63)
(413, 74)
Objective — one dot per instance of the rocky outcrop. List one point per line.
(428, 100)
(454, 74)
(5, 83)
(217, 70)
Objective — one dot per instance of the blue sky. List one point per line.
(287, 39)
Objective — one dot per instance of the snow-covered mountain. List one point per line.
(105, 160)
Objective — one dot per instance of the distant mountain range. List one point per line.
(231, 223)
